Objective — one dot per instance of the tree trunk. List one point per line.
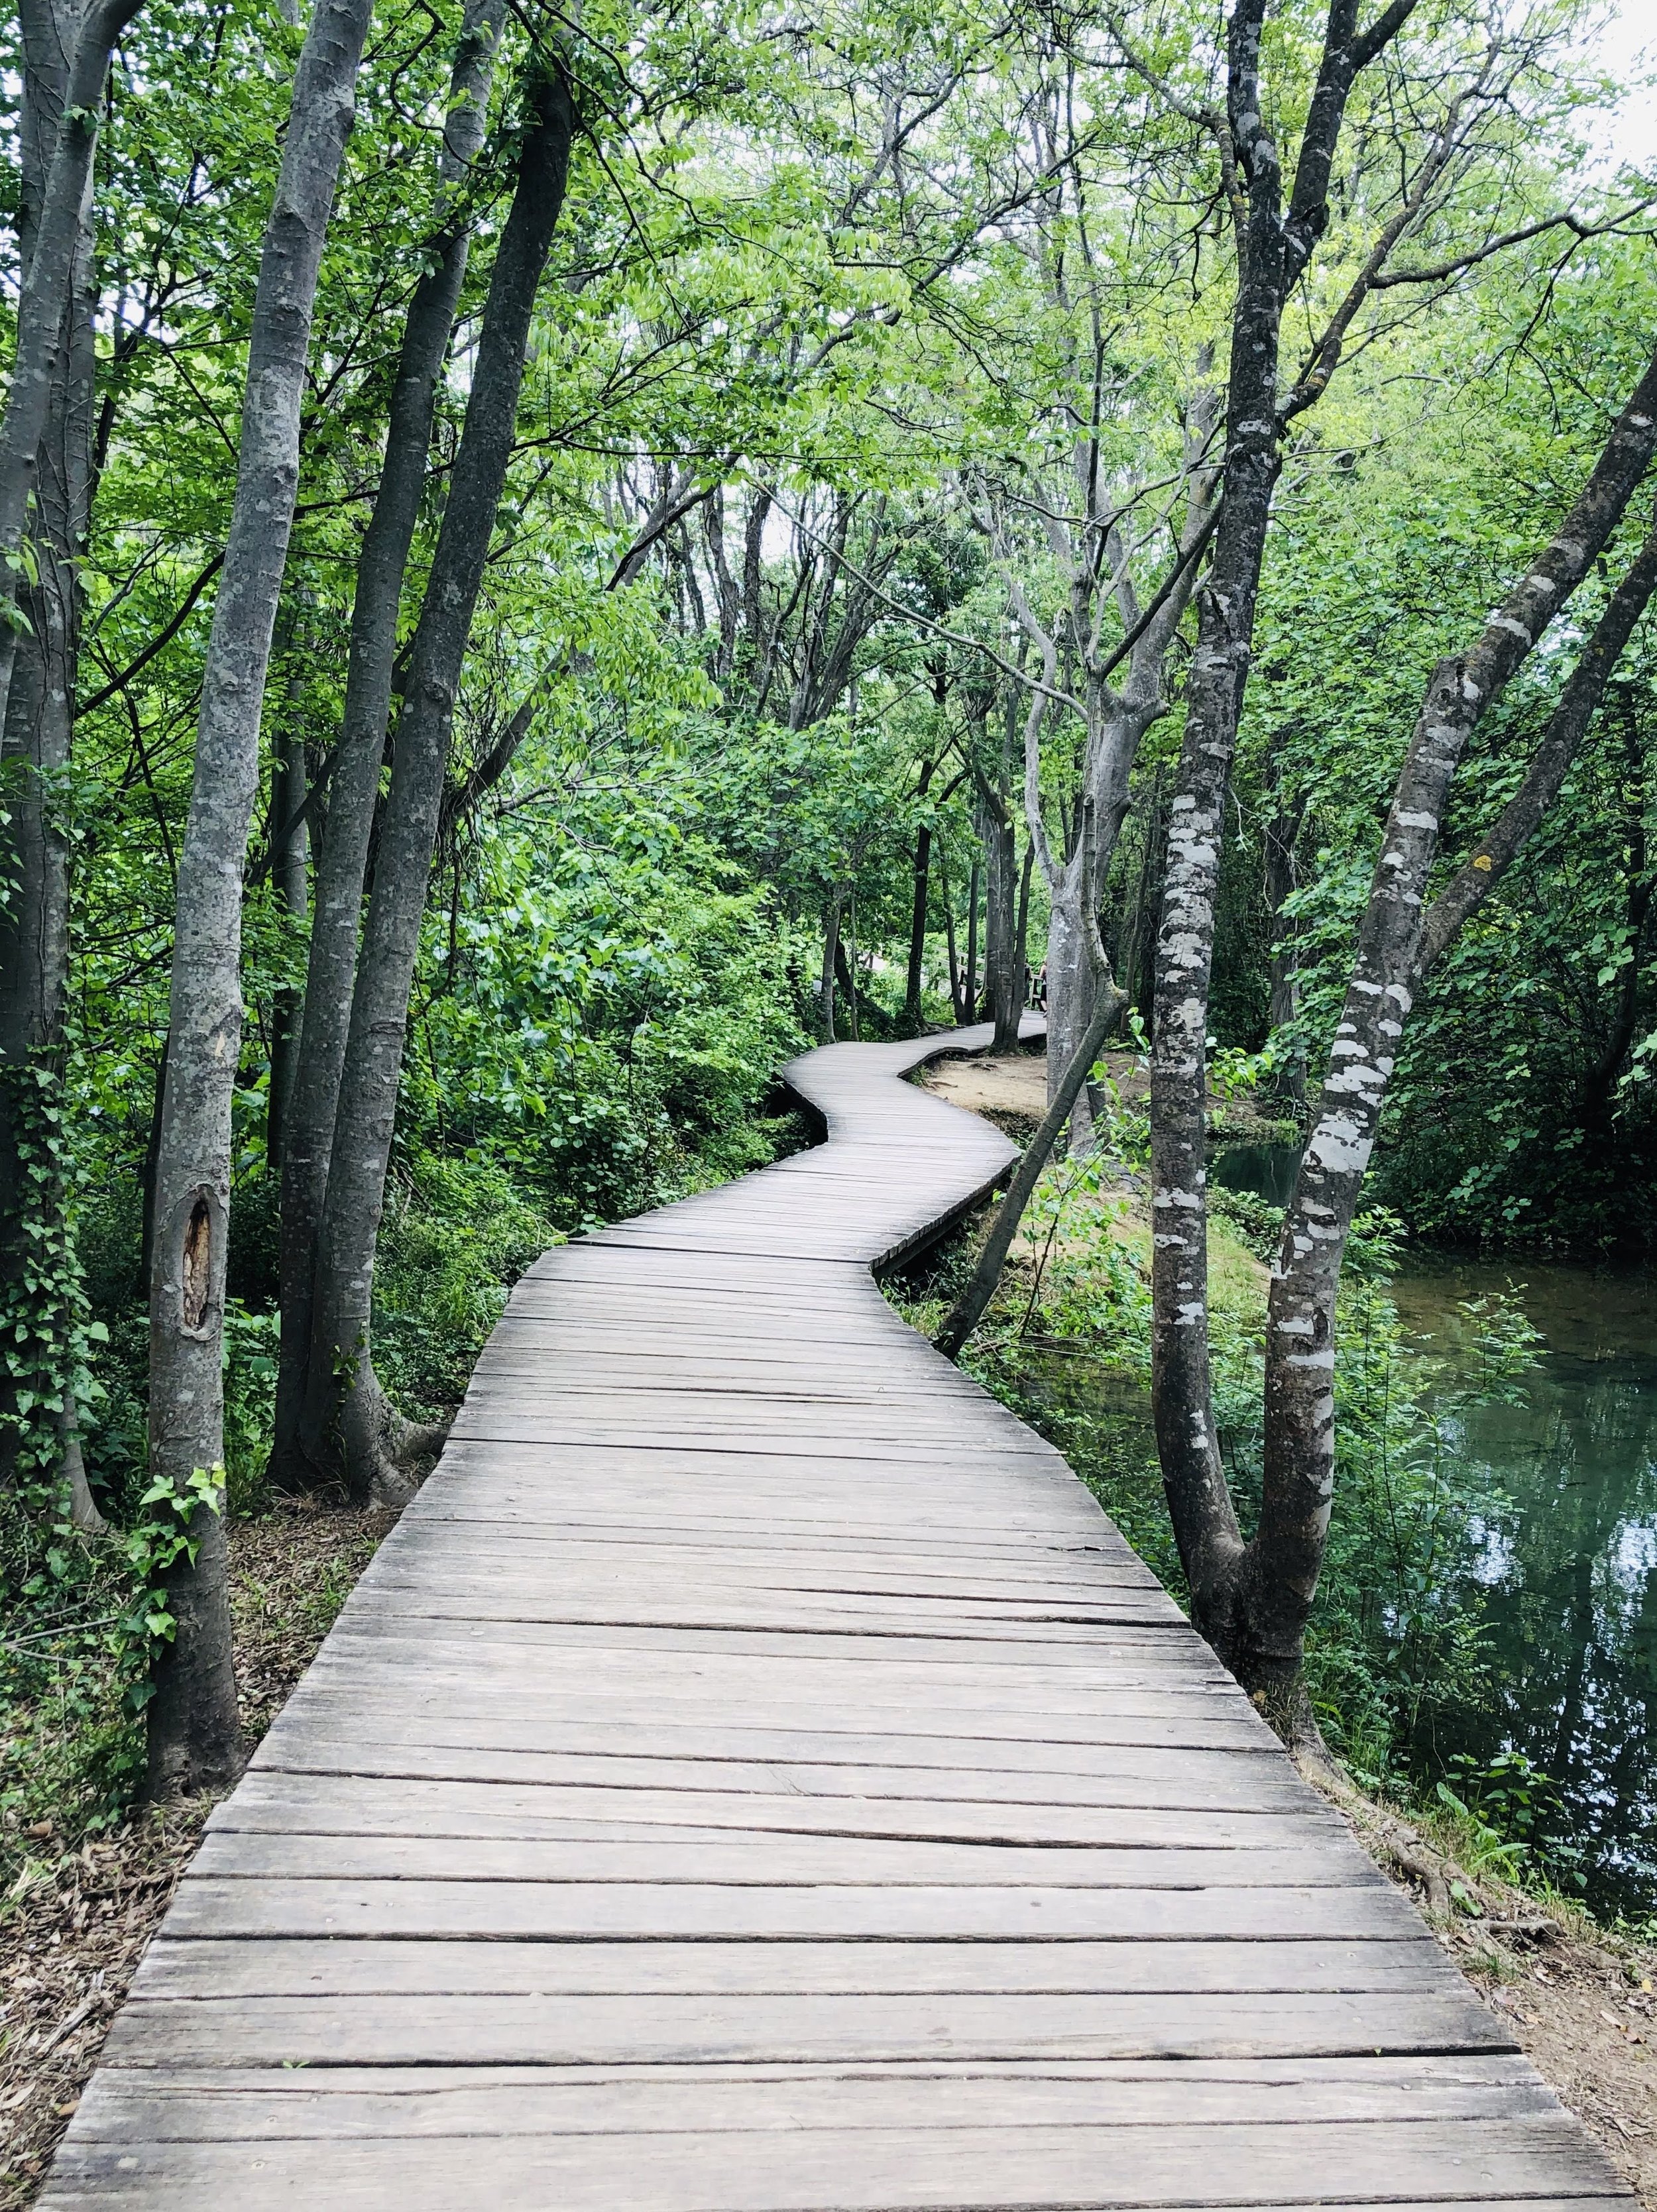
(1003, 1002)
(1286, 1556)
(1276, 245)
(354, 785)
(955, 1004)
(970, 990)
(1021, 929)
(830, 963)
(34, 1233)
(970, 1308)
(290, 877)
(348, 1426)
(918, 907)
(58, 222)
(1069, 996)
(194, 1735)
(1282, 833)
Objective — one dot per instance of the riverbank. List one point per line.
(1067, 1344)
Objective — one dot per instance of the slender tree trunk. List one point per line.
(36, 1228)
(971, 1306)
(193, 1734)
(44, 320)
(1069, 996)
(354, 785)
(918, 907)
(1282, 831)
(1255, 1601)
(1003, 997)
(957, 1007)
(969, 991)
(847, 982)
(290, 875)
(1286, 1557)
(830, 963)
(1021, 933)
(348, 1424)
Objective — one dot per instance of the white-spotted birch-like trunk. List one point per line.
(194, 1740)
(1398, 929)
(1276, 241)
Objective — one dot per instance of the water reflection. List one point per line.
(1567, 1563)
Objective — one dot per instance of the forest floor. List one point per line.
(1010, 1090)
(75, 1919)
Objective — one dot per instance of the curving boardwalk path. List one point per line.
(754, 1777)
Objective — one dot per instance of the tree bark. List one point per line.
(58, 244)
(919, 906)
(38, 723)
(970, 988)
(1277, 243)
(830, 962)
(354, 784)
(192, 1722)
(1273, 1593)
(348, 1426)
(290, 877)
(970, 1308)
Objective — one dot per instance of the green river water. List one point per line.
(1565, 1557)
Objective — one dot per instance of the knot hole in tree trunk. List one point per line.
(197, 1273)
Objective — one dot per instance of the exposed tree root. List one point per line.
(1433, 1872)
(386, 1456)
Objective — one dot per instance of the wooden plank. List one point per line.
(244, 2105)
(1221, 1782)
(602, 1852)
(664, 2029)
(756, 1777)
(1546, 2159)
(297, 1967)
(442, 1910)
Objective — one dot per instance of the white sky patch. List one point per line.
(1624, 44)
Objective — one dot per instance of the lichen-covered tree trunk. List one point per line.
(194, 1735)
(354, 784)
(347, 1422)
(1287, 1554)
(1276, 243)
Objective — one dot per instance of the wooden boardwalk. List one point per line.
(754, 1777)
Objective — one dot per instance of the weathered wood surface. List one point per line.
(756, 1777)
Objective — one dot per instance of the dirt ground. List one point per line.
(75, 1925)
(1010, 1088)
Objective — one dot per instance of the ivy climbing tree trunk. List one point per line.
(57, 246)
(194, 1740)
(39, 1278)
(354, 784)
(348, 1426)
